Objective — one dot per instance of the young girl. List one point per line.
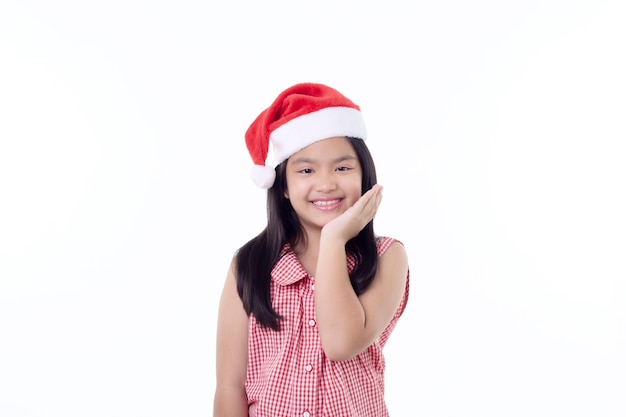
(310, 302)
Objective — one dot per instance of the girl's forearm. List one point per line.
(339, 313)
(230, 403)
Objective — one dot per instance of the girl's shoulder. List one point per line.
(384, 242)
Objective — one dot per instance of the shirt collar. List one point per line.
(288, 270)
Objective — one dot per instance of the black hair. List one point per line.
(255, 260)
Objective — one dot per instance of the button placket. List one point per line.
(310, 352)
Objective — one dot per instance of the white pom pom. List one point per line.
(263, 176)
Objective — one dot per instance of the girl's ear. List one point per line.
(286, 194)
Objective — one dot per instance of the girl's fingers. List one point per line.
(371, 201)
(350, 223)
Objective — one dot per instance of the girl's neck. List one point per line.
(307, 251)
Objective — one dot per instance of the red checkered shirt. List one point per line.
(288, 373)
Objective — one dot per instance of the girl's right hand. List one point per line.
(353, 220)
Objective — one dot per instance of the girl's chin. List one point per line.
(317, 224)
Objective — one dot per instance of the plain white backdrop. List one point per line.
(497, 129)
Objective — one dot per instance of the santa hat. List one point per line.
(301, 115)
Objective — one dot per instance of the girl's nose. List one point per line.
(326, 182)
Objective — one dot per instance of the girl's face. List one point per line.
(323, 181)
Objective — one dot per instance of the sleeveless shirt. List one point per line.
(288, 373)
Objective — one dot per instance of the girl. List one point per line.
(310, 302)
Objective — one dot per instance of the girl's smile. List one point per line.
(327, 204)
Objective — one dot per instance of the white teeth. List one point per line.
(325, 203)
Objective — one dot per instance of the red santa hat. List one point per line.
(301, 115)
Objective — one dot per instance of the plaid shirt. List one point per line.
(288, 373)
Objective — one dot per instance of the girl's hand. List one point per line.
(353, 220)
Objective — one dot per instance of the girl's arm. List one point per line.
(348, 323)
(231, 353)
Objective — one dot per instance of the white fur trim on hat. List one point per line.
(312, 127)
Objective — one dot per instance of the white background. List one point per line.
(496, 127)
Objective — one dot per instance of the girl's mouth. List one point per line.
(326, 204)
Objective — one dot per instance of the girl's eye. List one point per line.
(305, 171)
(343, 169)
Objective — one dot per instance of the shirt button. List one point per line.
(311, 322)
(306, 414)
(308, 368)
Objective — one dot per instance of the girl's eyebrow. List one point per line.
(345, 158)
(304, 160)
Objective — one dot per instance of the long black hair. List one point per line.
(256, 259)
